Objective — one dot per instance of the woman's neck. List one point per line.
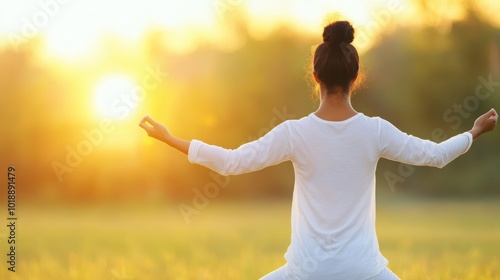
(335, 107)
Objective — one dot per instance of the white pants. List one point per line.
(279, 274)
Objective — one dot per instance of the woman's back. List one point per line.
(333, 208)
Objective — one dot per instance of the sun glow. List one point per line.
(76, 47)
(114, 97)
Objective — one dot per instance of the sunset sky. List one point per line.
(72, 28)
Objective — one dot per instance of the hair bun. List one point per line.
(337, 33)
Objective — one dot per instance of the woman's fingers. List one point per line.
(145, 124)
(145, 120)
(148, 119)
(154, 129)
(492, 114)
(490, 120)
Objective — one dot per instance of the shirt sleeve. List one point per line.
(399, 146)
(270, 149)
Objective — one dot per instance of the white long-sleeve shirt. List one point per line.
(333, 207)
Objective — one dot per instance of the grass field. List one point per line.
(421, 239)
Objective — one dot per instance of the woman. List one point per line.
(334, 152)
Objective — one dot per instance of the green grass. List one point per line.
(422, 240)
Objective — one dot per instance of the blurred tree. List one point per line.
(426, 82)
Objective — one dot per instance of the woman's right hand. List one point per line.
(484, 123)
(155, 129)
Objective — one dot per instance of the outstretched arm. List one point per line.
(270, 149)
(399, 146)
(160, 132)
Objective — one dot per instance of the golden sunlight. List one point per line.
(71, 48)
(114, 97)
(75, 30)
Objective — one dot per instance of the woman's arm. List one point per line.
(160, 132)
(270, 149)
(398, 146)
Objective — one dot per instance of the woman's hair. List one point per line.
(336, 61)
